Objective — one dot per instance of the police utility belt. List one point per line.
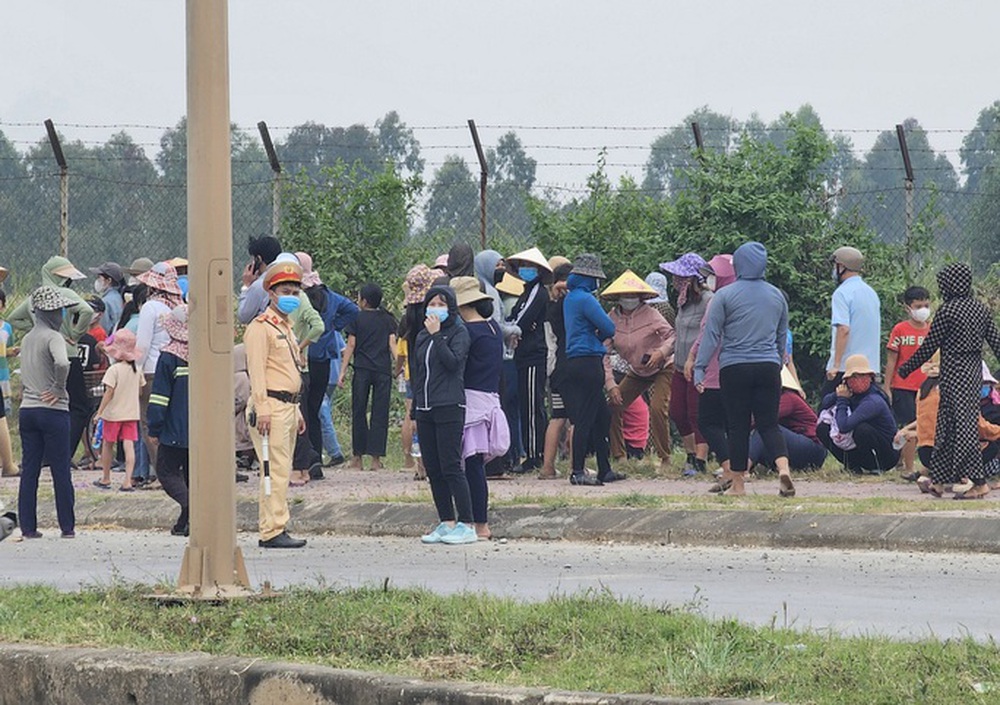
(287, 397)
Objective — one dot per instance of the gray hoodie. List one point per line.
(44, 362)
(485, 263)
(748, 320)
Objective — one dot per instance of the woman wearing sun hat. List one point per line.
(531, 353)
(415, 287)
(587, 329)
(862, 410)
(44, 421)
(646, 342)
(164, 294)
(692, 303)
(486, 435)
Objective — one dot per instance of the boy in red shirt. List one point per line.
(904, 340)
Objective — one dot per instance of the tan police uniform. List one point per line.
(273, 364)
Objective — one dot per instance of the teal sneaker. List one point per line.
(462, 533)
(437, 536)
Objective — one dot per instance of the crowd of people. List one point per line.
(503, 361)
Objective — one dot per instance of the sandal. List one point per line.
(977, 492)
(785, 486)
(720, 486)
(102, 485)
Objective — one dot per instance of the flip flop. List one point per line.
(102, 485)
(126, 489)
(785, 487)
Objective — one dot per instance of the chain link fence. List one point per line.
(120, 208)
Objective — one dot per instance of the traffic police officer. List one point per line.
(274, 364)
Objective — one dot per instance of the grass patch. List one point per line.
(592, 642)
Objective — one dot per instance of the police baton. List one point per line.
(265, 450)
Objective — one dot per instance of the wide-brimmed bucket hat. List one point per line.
(589, 265)
(48, 298)
(418, 282)
(122, 347)
(857, 365)
(467, 291)
(687, 265)
(162, 276)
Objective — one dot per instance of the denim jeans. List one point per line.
(45, 434)
(330, 443)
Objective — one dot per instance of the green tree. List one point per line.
(979, 147)
(355, 224)
(672, 153)
(453, 202)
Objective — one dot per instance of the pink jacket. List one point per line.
(639, 333)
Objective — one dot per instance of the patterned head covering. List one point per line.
(310, 278)
(162, 277)
(955, 281)
(48, 298)
(688, 265)
(176, 325)
(122, 347)
(418, 282)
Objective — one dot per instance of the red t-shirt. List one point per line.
(904, 341)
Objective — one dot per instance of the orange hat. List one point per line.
(281, 272)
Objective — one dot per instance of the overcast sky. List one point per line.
(861, 64)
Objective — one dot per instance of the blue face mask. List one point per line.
(528, 274)
(288, 303)
(985, 391)
(440, 311)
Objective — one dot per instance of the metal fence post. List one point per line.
(908, 185)
(50, 128)
(483, 174)
(272, 157)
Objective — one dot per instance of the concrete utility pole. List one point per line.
(213, 566)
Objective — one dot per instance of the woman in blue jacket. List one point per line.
(439, 409)
(587, 327)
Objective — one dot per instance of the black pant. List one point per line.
(873, 451)
(304, 455)
(440, 430)
(751, 391)
(80, 406)
(588, 410)
(712, 423)
(172, 469)
(319, 378)
(534, 422)
(475, 473)
(369, 437)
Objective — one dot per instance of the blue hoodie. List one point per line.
(587, 325)
(748, 320)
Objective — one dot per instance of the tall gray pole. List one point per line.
(213, 564)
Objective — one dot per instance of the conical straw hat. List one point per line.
(533, 256)
(630, 284)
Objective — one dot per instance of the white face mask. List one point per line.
(920, 315)
(629, 303)
(836, 273)
(710, 282)
(100, 286)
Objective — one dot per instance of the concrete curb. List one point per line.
(895, 532)
(70, 676)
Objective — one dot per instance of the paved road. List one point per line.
(896, 594)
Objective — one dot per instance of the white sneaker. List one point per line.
(462, 533)
(438, 534)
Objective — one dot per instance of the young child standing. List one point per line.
(904, 340)
(119, 409)
(371, 344)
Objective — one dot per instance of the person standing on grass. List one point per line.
(336, 311)
(531, 352)
(905, 338)
(587, 329)
(8, 468)
(747, 323)
(485, 435)
(960, 328)
(60, 274)
(693, 297)
(44, 421)
(371, 345)
(274, 364)
(168, 415)
(645, 341)
(855, 317)
(439, 408)
(119, 409)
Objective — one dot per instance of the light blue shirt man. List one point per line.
(856, 306)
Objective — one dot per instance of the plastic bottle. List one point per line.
(415, 446)
(98, 434)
